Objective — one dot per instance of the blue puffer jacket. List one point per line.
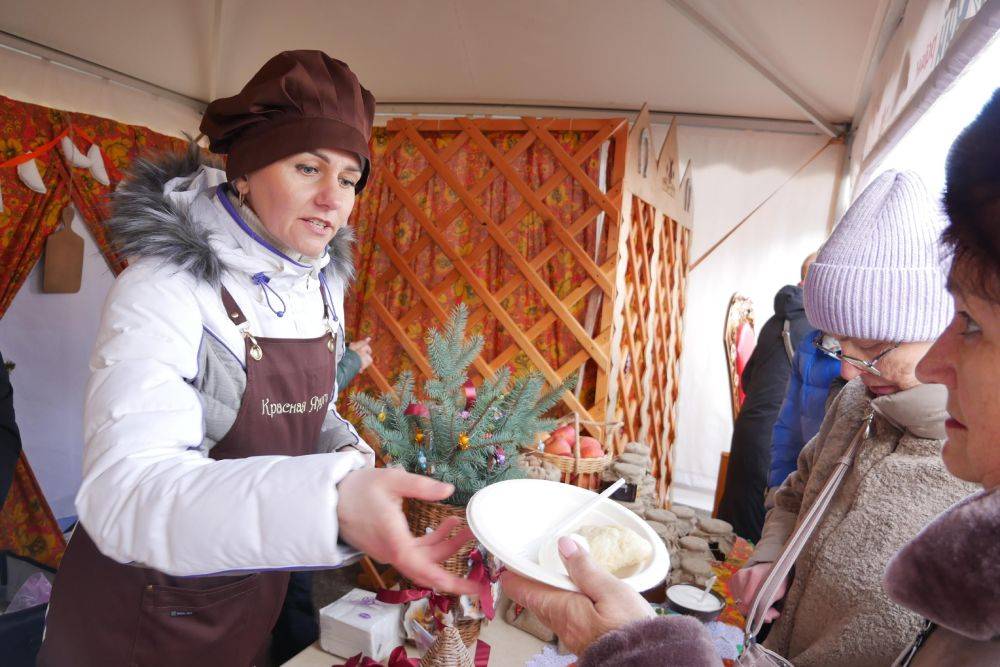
(803, 408)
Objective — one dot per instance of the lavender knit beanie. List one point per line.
(880, 274)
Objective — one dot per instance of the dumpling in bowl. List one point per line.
(616, 547)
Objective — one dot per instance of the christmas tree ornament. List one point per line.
(497, 414)
(500, 454)
(422, 460)
(469, 392)
(464, 414)
(463, 441)
(381, 416)
(417, 410)
(418, 436)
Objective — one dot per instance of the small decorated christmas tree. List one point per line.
(465, 435)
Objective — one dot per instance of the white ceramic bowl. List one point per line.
(510, 517)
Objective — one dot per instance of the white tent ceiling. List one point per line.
(572, 53)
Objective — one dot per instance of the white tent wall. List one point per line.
(49, 338)
(931, 47)
(733, 172)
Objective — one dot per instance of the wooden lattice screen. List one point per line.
(524, 221)
(651, 281)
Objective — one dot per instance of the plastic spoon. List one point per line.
(708, 587)
(532, 548)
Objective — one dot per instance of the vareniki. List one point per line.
(616, 548)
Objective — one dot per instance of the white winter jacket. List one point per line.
(150, 493)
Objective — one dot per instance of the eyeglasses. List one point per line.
(830, 347)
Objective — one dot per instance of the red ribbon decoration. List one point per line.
(440, 602)
(397, 658)
(469, 390)
(417, 410)
(481, 575)
(482, 657)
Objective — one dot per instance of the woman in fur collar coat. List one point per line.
(213, 446)
(950, 573)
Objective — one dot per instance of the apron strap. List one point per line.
(237, 317)
(234, 312)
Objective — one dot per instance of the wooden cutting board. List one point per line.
(63, 268)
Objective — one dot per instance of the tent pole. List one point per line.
(697, 18)
(397, 108)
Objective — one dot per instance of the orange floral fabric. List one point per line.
(27, 527)
(382, 289)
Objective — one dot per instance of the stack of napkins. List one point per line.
(358, 623)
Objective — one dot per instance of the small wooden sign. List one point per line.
(62, 272)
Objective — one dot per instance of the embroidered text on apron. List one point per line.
(106, 613)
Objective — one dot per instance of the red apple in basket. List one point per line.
(590, 448)
(566, 432)
(558, 446)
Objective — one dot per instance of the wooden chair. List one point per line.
(739, 341)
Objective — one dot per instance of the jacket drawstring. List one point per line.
(262, 280)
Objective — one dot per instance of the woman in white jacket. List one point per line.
(212, 443)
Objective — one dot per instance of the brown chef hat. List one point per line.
(298, 101)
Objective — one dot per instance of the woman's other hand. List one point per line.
(370, 512)
(363, 348)
(605, 602)
(745, 583)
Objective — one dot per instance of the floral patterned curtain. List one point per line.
(31, 132)
(378, 209)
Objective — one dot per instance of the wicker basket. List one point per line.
(422, 515)
(576, 469)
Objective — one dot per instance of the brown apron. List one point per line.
(106, 613)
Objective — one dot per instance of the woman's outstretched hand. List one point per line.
(605, 602)
(370, 512)
(744, 585)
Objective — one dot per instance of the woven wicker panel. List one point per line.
(478, 211)
(649, 377)
(651, 280)
(667, 346)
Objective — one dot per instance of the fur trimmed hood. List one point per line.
(950, 572)
(147, 222)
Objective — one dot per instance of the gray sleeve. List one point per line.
(220, 383)
(337, 434)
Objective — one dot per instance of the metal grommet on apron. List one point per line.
(104, 613)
